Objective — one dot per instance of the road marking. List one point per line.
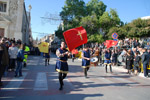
(15, 83)
(41, 82)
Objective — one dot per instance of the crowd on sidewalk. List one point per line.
(135, 54)
(11, 57)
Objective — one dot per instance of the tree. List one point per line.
(95, 38)
(97, 7)
(109, 20)
(73, 9)
(90, 23)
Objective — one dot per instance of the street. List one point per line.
(40, 82)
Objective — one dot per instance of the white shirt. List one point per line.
(13, 51)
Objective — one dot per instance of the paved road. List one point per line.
(40, 82)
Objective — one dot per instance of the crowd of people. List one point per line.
(135, 54)
(12, 55)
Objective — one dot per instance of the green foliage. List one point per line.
(93, 16)
(109, 20)
(97, 7)
(95, 38)
(90, 23)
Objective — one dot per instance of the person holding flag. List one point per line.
(61, 63)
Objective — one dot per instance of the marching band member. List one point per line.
(107, 60)
(61, 63)
(85, 60)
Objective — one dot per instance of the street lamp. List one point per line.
(30, 7)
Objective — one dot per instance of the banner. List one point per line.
(44, 47)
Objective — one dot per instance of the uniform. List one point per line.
(108, 61)
(85, 62)
(61, 63)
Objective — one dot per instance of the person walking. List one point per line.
(85, 60)
(107, 60)
(61, 63)
(47, 57)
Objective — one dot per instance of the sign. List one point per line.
(115, 36)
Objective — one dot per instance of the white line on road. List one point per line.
(15, 83)
(41, 82)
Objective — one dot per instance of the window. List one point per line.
(3, 6)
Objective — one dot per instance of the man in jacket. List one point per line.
(145, 61)
(4, 58)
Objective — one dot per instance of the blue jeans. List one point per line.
(145, 70)
(19, 68)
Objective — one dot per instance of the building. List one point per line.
(145, 18)
(15, 20)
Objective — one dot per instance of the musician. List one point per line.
(107, 60)
(85, 60)
(96, 54)
(61, 63)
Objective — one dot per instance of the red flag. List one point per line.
(110, 43)
(74, 51)
(75, 37)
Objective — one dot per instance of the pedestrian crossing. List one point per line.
(15, 83)
(43, 81)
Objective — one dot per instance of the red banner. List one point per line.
(75, 37)
(110, 43)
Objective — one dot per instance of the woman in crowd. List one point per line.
(129, 61)
(137, 59)
(20, 57)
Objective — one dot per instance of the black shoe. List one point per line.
(61, 88)
(1, 84)
(16, 76)
(20, 75)
(24, 64)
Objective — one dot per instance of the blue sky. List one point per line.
(128, 10)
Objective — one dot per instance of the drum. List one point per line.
(94, 59)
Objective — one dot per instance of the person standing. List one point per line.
(85, 60)
(61, 63)
(137, 59)
(26, 53)
(129, 60)
(145, 61)
(4, 59)
(20, 57)
(13, 50)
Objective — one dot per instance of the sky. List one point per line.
(127, 10)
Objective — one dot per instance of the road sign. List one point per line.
(115, 36)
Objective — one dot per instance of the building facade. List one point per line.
(15, 20)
